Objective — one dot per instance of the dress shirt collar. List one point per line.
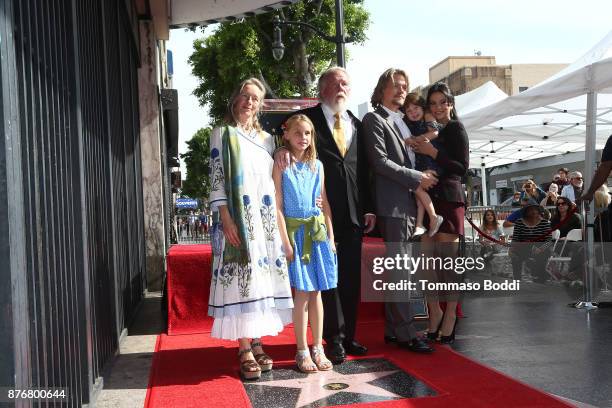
(329, 112)
(393, 115)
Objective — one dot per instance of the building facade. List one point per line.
(464, 74)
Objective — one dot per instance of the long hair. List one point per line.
(310, 155)
(444, 90)
(534, 189)
(486, 224)
(602, 198)
(383, 80)
(230, 114)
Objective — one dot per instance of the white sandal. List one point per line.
(304, 362)
(319, 358)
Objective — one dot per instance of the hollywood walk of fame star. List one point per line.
(326, 383)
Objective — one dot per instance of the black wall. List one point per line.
(71, 212)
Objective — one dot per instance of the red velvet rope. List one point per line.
(537, 239)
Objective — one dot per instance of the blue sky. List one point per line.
(415, 35)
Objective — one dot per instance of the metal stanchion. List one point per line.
(605, 266)
(587, 233)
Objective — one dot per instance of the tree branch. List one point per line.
(261, 31)
(316, 12)
(269, 90)
(319, 6)
(278, 69)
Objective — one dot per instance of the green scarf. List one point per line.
(234, 191)
(314, 230)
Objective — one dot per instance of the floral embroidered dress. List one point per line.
(250, 294)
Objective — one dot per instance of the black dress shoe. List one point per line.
(355, 349)
(416, 345)
(335, 353)
(390, 339)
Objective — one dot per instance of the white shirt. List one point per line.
(568, 192)
(347, 123)
(397, 118)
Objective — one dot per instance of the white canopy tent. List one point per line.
(476, 99)
(485, 95)
(549, 118)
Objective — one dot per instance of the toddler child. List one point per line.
(423, 127)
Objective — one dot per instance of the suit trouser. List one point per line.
(340, 304)
(399, 320)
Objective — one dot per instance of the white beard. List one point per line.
(339, 105)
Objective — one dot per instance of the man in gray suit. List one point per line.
(392, 161)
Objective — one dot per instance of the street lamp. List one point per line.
(278, 48)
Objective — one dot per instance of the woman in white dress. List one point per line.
(250, 296)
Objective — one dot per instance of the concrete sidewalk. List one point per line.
(127, 377)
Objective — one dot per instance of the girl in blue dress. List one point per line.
(308, 239)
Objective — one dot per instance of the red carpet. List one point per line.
(194, 370)
(188, 283)
(197, 371)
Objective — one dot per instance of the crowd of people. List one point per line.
(564, 184)
(553, 206)
(289, 216)
(195, 225)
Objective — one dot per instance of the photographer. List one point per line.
(532, 191)
(551, 196)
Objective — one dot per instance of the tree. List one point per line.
(243, 49)
(197, 160)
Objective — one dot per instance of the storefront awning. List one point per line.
(190, 13)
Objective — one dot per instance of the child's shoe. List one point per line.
(319, 358)
(304, 362)
(436, 226)
(419, 231)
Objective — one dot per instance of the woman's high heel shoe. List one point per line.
(434, 336)
(265, 361)
(249, 369)
(450, 339)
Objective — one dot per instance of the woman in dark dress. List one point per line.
(448, 196)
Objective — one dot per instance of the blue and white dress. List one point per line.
(301, 187)
(254, 300)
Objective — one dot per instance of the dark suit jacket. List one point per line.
(346, 179)
(395, 178)
(453, 158)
